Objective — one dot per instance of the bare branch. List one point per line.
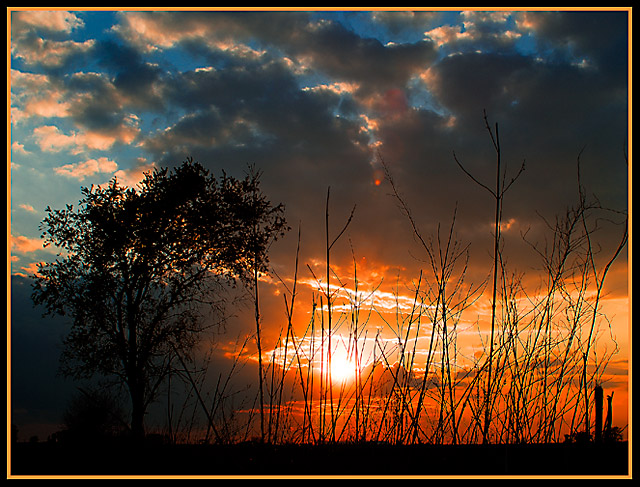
(472, 177)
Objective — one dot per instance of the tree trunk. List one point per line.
(137, 412)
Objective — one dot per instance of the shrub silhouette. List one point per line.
(93, 416)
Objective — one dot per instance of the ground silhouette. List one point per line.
(107, 459)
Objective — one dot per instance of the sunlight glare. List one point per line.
(343, 368)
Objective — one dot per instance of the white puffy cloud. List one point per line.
(52, 20)
(22, 244)
(87, 168)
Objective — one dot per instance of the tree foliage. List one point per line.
(137, 267)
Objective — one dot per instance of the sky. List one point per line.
(316, 100)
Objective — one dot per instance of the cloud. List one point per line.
(50, 54)
(478, 31)
(82, 170)
(24, 245)
(337, 52)
(132, 176)
(30, 43)
(29, 270)
(100, 111)
(254, 105)
(150, 31)
(325, 46)
(312, 100)
(48, 20)
(129, 79)
(47, 106)
(100, 107)
(447, 34)
(397, 22)
(311, 81)
(51, 139)
(18, 148)
(27, 208)
(600, 37)
(36, 95)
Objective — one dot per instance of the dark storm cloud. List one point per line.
(342, 54)
(257, 114)
(249, 106)
(133, 77)
(232, 89)
(96, 105)
(601, 37)
(326, 46)
(549, 112)
(265, 93)
(397, 22)
(467, 83)
(252, 109)
(303, 152)
(261, 102)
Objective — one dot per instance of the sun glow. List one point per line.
(343, 367)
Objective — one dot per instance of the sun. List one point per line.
(343, 369)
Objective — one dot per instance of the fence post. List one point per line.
(608, 422)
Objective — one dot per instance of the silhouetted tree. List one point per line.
(139, 267)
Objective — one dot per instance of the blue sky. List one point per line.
(313, 99)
